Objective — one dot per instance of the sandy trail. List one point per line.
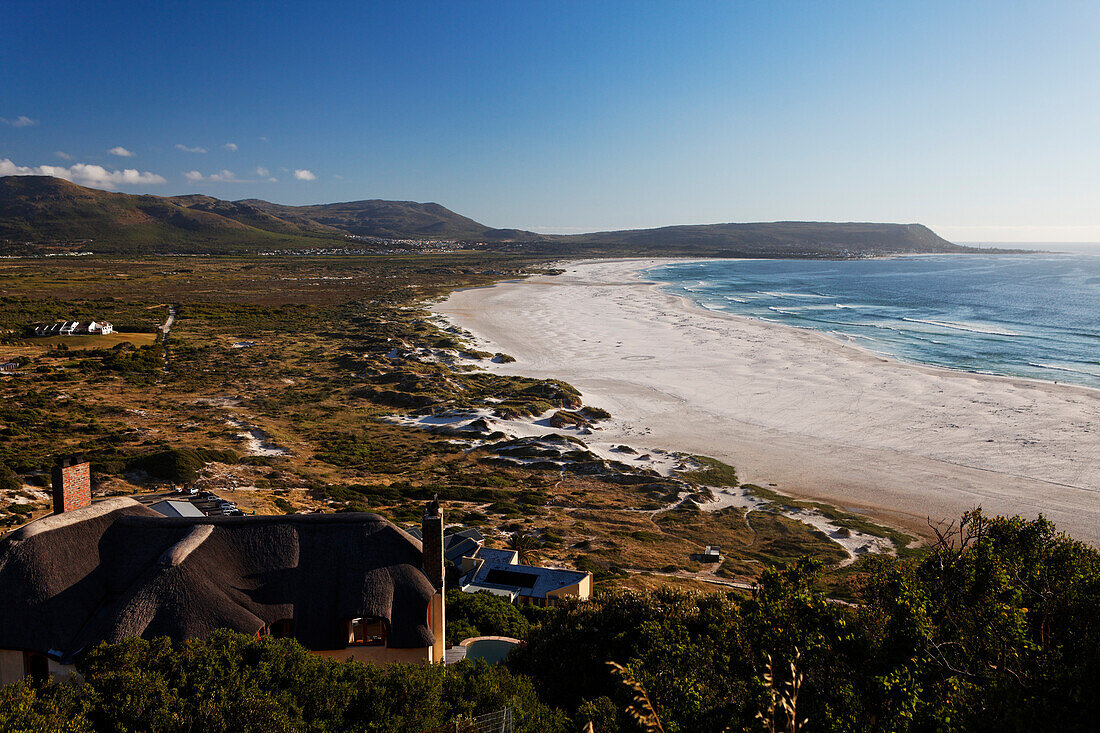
(795, 408)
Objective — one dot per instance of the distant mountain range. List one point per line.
(41, 212)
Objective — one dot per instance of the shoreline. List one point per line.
(794, 409)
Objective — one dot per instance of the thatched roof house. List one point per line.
(117, 569)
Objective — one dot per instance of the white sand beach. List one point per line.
(793, 408)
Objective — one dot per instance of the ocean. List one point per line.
(1032, 315)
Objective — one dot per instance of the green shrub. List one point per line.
(9, 480)
(284, 505)
(486, 614)
(712, 473)
(178, 465)
(236, 682)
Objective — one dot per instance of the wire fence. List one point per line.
(502, 721)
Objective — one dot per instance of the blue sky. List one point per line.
(981, 119)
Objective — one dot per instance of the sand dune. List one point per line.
(791, 407)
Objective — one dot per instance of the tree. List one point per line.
(997, 628)
(526, 546)
(687, 649)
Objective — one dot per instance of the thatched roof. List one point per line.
(118, 569)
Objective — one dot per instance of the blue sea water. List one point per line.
(1034, 315)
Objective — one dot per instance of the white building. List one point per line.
(68, 328)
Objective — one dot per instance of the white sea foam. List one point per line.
(853, 335)
(782, 294)
(1076, 368)
(963, 326)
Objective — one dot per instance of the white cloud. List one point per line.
(86, 175)
(20, 121)
(121, 152)
(304, 175)
(63, 155)
(222, 176)
(262, 172)
(184, 148)
(231, 147)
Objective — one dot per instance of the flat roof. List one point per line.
(503, 592)
(493, 555)
(172, 508)
(526, 580)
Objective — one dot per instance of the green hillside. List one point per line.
(378, 218)
(42, 209)
(778, 238)
(39, 212)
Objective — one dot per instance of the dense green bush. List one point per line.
(997, 628)
(483, 614)
(178, 465)
(124, 359)
(9, 480)
(235, 682)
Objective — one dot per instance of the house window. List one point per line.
(282, 629)
(36, 666)
(369, 631)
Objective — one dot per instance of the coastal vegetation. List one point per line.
(318, 355)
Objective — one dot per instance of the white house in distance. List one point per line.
(71, 328)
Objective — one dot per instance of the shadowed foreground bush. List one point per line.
(234, 682)
(996, 628)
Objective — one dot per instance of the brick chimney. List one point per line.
(72, 484)
(432, 543)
